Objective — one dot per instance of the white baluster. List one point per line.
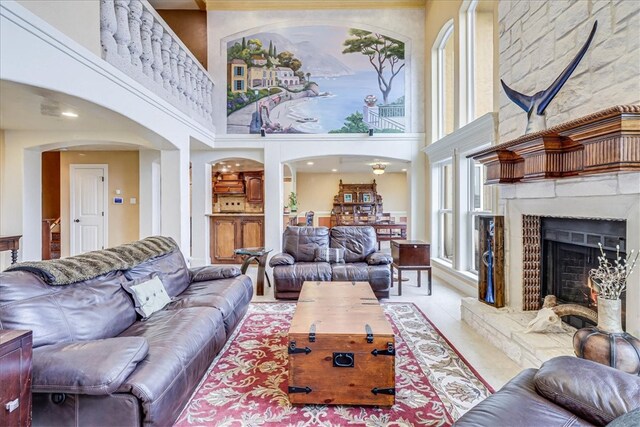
(145, 36)
(194, 84)
(182, 85)
(156, 47)
(188, 82)
(199, 82)
(166, 60)
(175, 48)
(122, 35)
(207, 98)
(135, 22)
(108, 27)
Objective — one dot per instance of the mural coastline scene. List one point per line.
(315, 79)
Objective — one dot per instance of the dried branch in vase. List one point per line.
(610, 279)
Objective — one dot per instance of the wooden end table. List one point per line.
(411, 255)
(10, 243)
(15, 377)
(260, 256)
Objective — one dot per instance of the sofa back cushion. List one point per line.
(358, 242)
(301, 242)
(171, 268)
(92, 309)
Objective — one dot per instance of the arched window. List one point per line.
(443, 83)
(476, 60)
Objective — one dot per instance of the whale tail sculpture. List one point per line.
(535, 105)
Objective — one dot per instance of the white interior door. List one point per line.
(88, 208)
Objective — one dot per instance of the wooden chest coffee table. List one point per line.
(341, 347)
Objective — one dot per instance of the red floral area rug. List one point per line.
(246, 384)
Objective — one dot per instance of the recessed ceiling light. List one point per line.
(237, 164)
(70, 114)
(310, 163)
(404, 170)
(334, 170)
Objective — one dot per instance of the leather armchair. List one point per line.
(565, 391)
(296, 264)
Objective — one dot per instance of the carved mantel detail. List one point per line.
(607, 141)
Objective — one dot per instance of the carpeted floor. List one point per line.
(246, 384)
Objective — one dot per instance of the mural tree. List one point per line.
(382, 52)
(287, 59)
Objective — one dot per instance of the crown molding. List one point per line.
(256, 5)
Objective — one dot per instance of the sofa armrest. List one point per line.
(379, 258)
(90, 367)
(281, 259)
(595, 392)
(213, 272)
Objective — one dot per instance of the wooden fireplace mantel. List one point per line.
(606, 141)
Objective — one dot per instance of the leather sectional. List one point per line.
(565, 391)
(95, 363)
(296, 264)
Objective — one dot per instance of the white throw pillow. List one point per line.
(149, 295)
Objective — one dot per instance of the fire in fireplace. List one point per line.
(569, 250)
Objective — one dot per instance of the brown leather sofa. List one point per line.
(565, 391)
(96, 364)
(296, 264)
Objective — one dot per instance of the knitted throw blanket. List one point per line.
(93, 264)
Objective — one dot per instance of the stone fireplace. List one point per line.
(560, 197)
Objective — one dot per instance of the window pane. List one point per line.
(447, 183)
(475, 256)
(447, 80)
(447, 235)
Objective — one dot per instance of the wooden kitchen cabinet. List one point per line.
(254, 187)
(15, 378)
(229, 232)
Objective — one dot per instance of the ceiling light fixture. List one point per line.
(334, 170)
(70, 114)
(378, 169)
(310, 163)
(237, 164)
(404, 170)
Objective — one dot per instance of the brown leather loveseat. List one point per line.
(565, 391)
(95, 363)
(299, 261)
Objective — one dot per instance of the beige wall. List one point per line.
(79, 20)
(316, 190)
(123, 175)
(1, 174)
(51, 185)
(538, 39)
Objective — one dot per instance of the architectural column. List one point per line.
(417, 197)
(149, 203)
(274, 200)
(201, 206)
(174, 196)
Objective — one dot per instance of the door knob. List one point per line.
(76, 220)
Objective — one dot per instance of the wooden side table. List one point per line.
(10, 243)
(411, 255)
(15, 378)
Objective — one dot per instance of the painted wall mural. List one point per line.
(315, 79)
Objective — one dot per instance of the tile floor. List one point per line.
(443, 309)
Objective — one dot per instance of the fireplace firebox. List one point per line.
(569, 251)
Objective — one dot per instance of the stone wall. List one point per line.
(539, 38)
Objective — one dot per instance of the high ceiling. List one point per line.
(178, 4)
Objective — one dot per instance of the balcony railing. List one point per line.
(136, 40)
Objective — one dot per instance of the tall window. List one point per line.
(443, 82)
(477, 53)
(445, 212)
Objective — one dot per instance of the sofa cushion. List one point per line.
(149, 294)
(301, 242)
(592, 391)
(330, 255)
(518, 404)
(93, 309)
(291, 277)
(230, 296)
(72, 368)
(358, 241)
(213, 272)
(171, 268)
(379, 258)
(182, 344)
